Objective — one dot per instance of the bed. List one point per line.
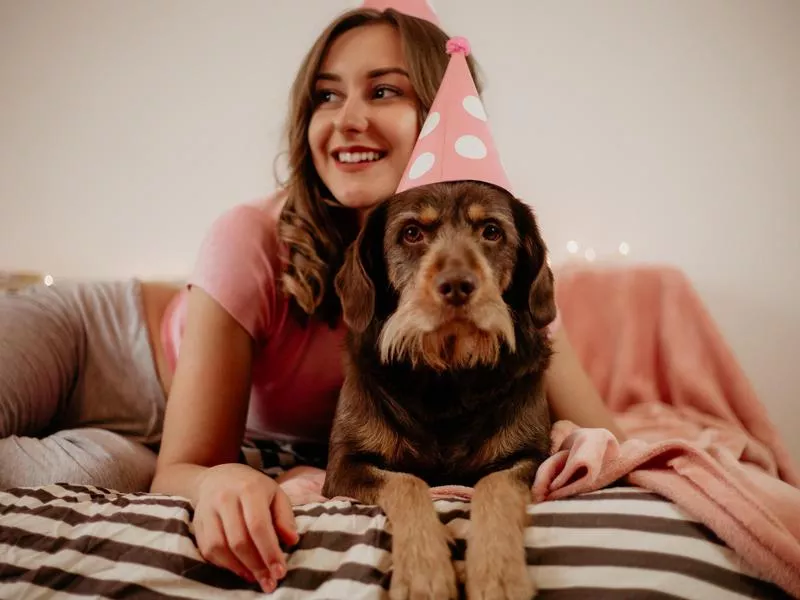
(64, 541)
(67, 541)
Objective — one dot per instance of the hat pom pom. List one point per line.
(458, 45)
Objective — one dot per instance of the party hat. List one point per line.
(455, 142)
(421, 9)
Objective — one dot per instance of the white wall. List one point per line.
(126, 127)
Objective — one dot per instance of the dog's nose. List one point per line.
(456, 286)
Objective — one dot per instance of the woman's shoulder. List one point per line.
(239, 262)
(263, 212)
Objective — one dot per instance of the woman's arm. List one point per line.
(208, 400)
(571, 393)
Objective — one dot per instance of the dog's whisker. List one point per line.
(419, 333)
(494, 317)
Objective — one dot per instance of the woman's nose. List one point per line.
(352, 116)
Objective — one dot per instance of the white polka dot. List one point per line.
(474, 106)
(422, 165)
(430, 124)
(470, 146)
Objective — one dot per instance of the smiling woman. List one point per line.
(95, 377)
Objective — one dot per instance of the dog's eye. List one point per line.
(412, 234)
(492, 232)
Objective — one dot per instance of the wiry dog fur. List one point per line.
(447, 294)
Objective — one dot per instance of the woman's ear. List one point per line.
(363, 268)
(533, 278)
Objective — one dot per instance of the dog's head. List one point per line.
(450, 273)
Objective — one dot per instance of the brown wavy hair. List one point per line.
(313, 226)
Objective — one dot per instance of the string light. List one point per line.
(48, 280)
(590, 254)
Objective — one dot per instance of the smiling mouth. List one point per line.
(352, 158)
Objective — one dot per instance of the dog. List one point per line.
(447, 294)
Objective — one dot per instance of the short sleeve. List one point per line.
(237, 266)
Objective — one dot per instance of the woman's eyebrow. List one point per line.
(387, 71)
(373, 74)
(328, 77)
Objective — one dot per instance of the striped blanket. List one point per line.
(64, 541)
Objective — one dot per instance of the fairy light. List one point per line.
(48, 280)
(590, 254)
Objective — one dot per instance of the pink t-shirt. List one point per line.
(297, 370)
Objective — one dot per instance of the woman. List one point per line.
(257, 330)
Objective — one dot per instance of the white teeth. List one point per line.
(357, 157)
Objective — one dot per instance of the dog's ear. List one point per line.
(363, 269)
(532, 286)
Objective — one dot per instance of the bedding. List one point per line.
(65, 541)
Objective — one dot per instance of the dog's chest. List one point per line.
(445, 456)
(457, 430)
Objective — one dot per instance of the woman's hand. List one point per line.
(240, 516)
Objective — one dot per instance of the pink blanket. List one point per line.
(698, 435)
(660, 363)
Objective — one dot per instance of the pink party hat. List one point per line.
(455, 142)
(421, 9)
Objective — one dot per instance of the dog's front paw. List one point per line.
(423, 567)
(497, 571)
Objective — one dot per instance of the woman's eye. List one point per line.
(324, 96)
(492, 233)
(412, 234)
(385, 92)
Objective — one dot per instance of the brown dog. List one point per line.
(447, 294)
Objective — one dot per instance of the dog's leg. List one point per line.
(421, 557)
(423, 565)
(496, 568)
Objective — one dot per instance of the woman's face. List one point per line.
(365, 121)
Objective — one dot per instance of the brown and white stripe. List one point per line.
(65, 541)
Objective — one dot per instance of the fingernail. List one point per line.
(278, 570)
(267, 584)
